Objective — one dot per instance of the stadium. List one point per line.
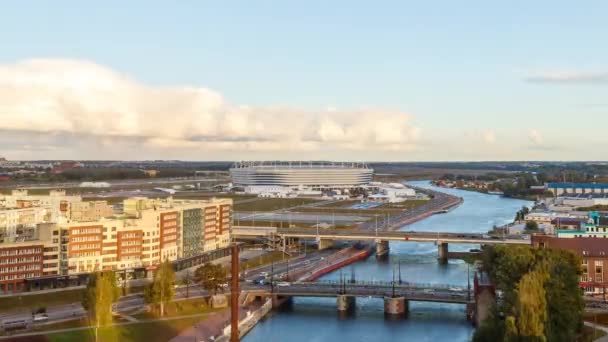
(311, 175)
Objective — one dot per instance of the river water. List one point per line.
(316, 319)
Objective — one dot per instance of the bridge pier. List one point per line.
(345, 303)
(382, 248)
(280, 301)
(395, 307)
(325, 244)
(442, 252)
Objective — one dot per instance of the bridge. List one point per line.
(326, 237)
(396, 295)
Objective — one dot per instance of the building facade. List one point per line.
(312, 175)
(593, 253)
(148, 232)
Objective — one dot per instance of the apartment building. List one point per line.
(594, 256)
(58, 204)
(148, 232)
(16, 222)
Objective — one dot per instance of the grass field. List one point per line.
(270, 204)
(35, 301)
(591, 334)
(144, 331)
(180, 308)
(40, 300)
(392, 208)
(261, 260)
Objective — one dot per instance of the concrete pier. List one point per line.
(345, 303)
(395, 307)
(281, 301)
(382, 248)
(442, 252)
(325, 244)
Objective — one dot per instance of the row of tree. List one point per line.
(540, 298)
(103, 290)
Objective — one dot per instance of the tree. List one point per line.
(540, 293)
(161, 292)
(531, 311)
(210, 276)
(187, 280)
(532, 225)
(99, 295)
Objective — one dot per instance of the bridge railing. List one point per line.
(387, 284)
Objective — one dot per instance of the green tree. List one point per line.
(565, 304)
(531, 311)
(540, 292)
(532, 226)
(210, 276)
(99, 295)
(161, 291)
(187, 280)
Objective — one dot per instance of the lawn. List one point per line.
(391, 208)
(262, 260)
(590, 334)
(39, 300)
(271, 204)
(145, 331)
(600, 318)
(35, 301)
(180, 308)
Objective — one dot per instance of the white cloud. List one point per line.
(535, 137)
(489, 136)
(81, 98)
(569, 77)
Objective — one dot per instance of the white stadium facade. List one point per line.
(310, 175)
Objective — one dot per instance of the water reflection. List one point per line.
(316, 319)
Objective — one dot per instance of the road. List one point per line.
(59, 313)
(438, 203)
(286, 217)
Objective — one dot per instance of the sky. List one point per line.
(292, 80)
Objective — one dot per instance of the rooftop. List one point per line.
(299, 165)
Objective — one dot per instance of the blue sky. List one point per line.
(477, 80)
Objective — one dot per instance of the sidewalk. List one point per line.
(599, 327)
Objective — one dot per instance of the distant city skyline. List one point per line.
(339, 80)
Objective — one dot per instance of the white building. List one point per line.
(310, 175)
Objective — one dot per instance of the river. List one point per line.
(316, 319)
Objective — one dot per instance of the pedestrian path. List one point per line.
(599, 327)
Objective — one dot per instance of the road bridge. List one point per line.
(326, 237)
(396, 295)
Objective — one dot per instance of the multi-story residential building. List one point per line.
(15, 222)
(594, 256)
(148, 232)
